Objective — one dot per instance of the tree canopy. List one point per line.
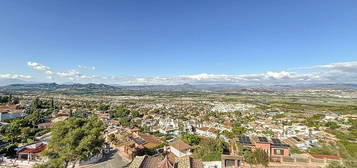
(73, 140)
(191, 139)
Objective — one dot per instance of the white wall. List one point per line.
(212, 164)
(179, 153)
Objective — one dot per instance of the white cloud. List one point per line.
(87, 76)
(87, 67)
(15, 76)
(341, 65)
(330, 73)
(38, 66)
(70, 73)
(49, 72)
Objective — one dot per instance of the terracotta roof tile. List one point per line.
(180, 145)
(39, 149)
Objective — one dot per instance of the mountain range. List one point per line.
(28, 86)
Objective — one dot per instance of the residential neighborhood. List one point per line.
(172, 134)
(178, 84)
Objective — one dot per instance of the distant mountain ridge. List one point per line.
(5, 82)
(54, 86)
(181, 87)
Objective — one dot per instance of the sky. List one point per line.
(179, 41)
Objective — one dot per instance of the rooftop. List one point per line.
(180, 145)
(38, 149)
(244, 140)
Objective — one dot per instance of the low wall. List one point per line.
(302, 160)
(212, 164)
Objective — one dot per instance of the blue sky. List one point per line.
(161, 41)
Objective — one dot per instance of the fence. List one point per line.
(301, 160)
(6, 162)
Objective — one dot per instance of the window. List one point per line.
(266, 150)
(278, 151)
(229, 163)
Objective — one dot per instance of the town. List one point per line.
(178, 129)
(178, 84)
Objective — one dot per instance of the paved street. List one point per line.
(112, 160)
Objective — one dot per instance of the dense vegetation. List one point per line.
(73, 140)
(346, 146)
(24, 130)
(8, 100)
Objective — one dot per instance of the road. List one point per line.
(112, 160)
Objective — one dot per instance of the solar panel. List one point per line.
(262, 139)
(276, 141)
(244, 140)
(297, 139)
(139, 141)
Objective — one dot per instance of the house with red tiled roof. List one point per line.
(46, 125)
(31, 152)
(165, 164)
(180, 148)
(8, 107)
(273, 147)
(137, 143)
(159, 162)
(10, 112)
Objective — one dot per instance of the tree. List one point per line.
(239, 130)
(257, 157)
(25, 133)
(324, 149)
(345, 164)
(13, 131)
(52, 104)
(125, 121)
(332, 125)
(247, 154)
(103, 107)
(210, 149)
(295, 150)
(261, 157)
(112, 138)
(335, 164)
(120, 112)
(74, 140)
(191, 139)
(35, 117)
(237, 113)
(37, 103)
(135, 114)
(181, 126)
(9, 100)
(9, 150)
(229, 134)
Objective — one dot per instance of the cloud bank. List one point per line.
(68, 76)
(345, 72)
(15, 76)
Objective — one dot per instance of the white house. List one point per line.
(291, 131)
(168, 130)
(207, 132)
(180, 148)
(331, 117)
